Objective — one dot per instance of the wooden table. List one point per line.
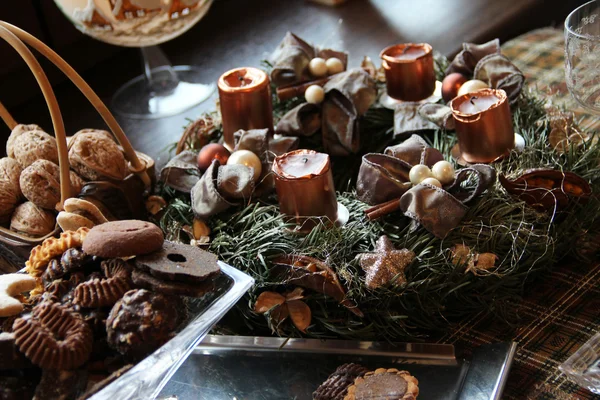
(240, 33)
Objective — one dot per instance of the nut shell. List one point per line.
(10, 170)
(34, 145)
(94, 155)
(9, 198)
(40, 183)
(15, 133)
(32, 220)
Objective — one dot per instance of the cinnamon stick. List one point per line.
(289, 92)
(382, 209)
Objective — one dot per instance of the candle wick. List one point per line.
(404, 50)
(473, 98)
(305, 160)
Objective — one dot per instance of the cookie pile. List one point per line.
(30, 179)
(92, 302)
(355, 382)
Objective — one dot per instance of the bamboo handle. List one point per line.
(6, 117)
(135, 165)
(57, 121)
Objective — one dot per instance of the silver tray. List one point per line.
(264, 368)
(146, 379)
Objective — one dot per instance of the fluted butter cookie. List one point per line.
(384, 384)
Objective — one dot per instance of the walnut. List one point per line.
(16, 132)
(77, 183)
(9, 198)
(94, 155)
(31, 220)
(10, 171)
(33, 145)
(40, 183)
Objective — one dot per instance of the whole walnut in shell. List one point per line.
(40, 183)
(32, 145)
(9, 198)
(15, 133)
(10, 171)
(94, 155)
(32, 220)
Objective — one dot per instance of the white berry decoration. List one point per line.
(334, 65)
(443, 171)
(314, 94)
(432, 181)
(418, 173)
(317, 67)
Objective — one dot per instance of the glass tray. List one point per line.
(253, 368)
(146, 379)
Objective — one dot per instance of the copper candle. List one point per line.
(304, 185)
(409, 72)
(245, 97)
(483, 125)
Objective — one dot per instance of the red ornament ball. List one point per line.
(210, 152)
(451, 84)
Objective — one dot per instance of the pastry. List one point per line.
(384, 384)
(192, 289)
(94, 155)
(9, 198)
(179, 262)
(123, 239)
(336, 385)
(41, 255)
(60, 384)
(12, 285)
(33, 145)
(31, 220)
(10, 357)
(79, 213)
(53, 337)
(141, 322)
(10, 171)
(104, 292)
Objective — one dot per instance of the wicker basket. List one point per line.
(139, 164)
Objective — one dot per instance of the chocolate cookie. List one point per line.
(384, 384)
(179, 262)
(123, 239)
(336, 386)
(10, 357)
(193, 289)
(141, 322)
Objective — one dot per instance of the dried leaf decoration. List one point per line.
(280, 307)
(546, 189)
(312, 273)
(474, 262)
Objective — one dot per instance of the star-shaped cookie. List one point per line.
(385, 263)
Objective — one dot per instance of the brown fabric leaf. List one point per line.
(290, 61)
(467, 59)
(267, 301)
(181, 172)
(296, 294)
(500, 73)
(300, 314)
(415, 151)
(381, 178)
(302, 120)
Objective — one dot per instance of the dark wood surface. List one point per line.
(239, 33)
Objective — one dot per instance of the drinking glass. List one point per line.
(162, 90)
(582, 55)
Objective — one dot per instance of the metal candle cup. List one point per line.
(304, 185)
(483, 125)
(409, 72)
(245, 98)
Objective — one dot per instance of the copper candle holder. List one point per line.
(483, 125)
(409, 71)
(305, 189)
(245, 97)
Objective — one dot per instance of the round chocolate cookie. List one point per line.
(179, 262)
(141, 322)
(123, 239)
(384, 384)
(193, 289)
(336, 386)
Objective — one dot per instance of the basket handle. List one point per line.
(55, 115)
(136, 166)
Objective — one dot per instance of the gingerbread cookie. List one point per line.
(141, 322)
(336, 386)
(384, 384)
(12, 285)
(192, 289)
(123, 239)
(179, 262)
